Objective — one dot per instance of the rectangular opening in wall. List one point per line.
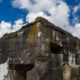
(55, 48)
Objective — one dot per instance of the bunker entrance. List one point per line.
(19, 71)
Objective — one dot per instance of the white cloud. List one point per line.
(6, 27)
(76, 8)
(76, 30)
(18, 24)
(34, 7)
(60, 14)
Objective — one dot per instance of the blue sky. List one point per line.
(63, 13)
(72, 4)
(9, 14)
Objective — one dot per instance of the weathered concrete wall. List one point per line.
(41, 51)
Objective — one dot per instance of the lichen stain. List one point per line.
(48, 41)
(33, 33)
(67, 73)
